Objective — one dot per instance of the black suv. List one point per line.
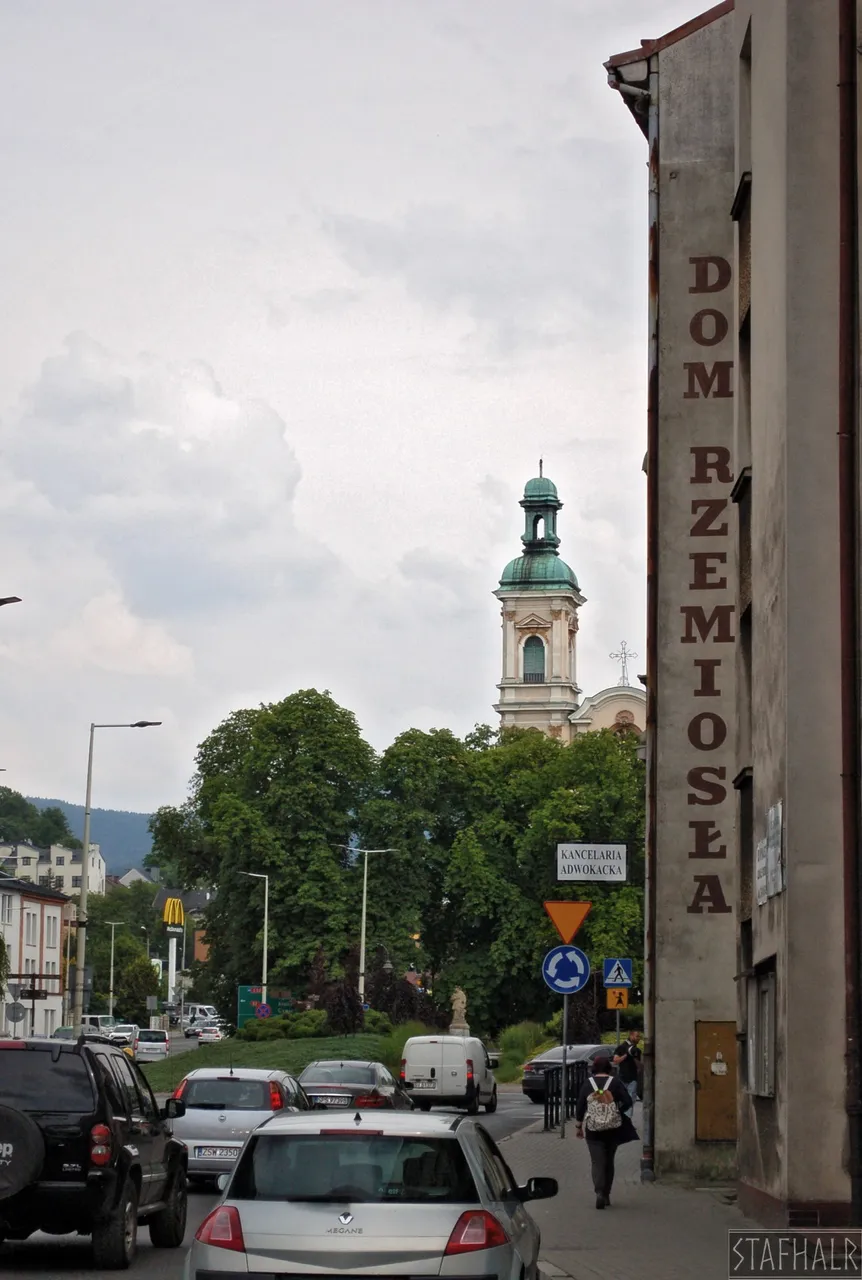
(84, 1147)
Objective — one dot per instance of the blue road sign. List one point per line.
(618, 973)
(365, 1008)
(262, 1011)
(566, 970)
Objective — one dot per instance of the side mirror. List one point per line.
(222, 1180)
(539, 1189)
(493, 1061)
(173, 1109)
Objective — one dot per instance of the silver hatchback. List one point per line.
(223, 1106)
(400, 1194)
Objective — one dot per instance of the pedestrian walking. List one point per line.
(599, 1119)
(627, 1057)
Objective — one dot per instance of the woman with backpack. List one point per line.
(599, 1109)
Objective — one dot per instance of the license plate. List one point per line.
(215, 1153)
(330, 1099)
(424, 1084)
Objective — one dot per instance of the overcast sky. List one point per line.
(296, 294)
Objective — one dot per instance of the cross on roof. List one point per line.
(623, 659)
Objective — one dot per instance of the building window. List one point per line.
(52, 929)
(761, 1031)
(60, 861)
(31, 929)
(534, 660)
(25, 862)
(76, 882)
(5, 908)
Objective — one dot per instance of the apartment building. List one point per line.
(32, 929)
(750, 111)
(56, 867)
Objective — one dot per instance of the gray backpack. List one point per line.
(603, 1113)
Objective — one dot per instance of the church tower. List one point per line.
(540, 598)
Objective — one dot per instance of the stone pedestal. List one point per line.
(459, 1029)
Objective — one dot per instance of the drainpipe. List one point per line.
(647, 1155)
(848, 577)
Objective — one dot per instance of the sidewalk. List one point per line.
(652, 1232)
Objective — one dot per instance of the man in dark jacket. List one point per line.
(627, 1058)
(602, 1143)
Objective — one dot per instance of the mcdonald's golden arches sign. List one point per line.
(174, 916)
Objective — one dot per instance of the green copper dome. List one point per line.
(540, 567)
(540, 488)
(541, 571)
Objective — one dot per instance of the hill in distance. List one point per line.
(123, 836)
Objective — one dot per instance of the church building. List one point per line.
(540, 598)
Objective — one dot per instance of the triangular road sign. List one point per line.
(617, 976)
(567, 917)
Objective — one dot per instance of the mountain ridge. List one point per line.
(122, 834)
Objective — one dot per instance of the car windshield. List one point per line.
(337, 1073)
(228, 1093)
(366, 1168)
(124, 1028)
(152, 1037)
(36, 1080)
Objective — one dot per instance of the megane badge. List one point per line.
(345, 1219)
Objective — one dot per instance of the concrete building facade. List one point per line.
(32, 928)
(679, 93)
(56, 867)
(775, 194)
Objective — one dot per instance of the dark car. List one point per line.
(353, 1084)
(533, 1081)
(85, 1148)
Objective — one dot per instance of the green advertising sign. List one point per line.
(249, 1003)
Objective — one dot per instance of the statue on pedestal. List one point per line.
(459, 1025)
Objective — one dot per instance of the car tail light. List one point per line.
(374, 1099)
(180, 1089)
(222, 1229)
(276, 1102)
(476, 1229)
(469, 1070)
(100, 1144)
(403, 1070)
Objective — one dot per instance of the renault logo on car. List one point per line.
(345, 1219)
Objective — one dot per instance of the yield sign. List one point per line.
(567, 917)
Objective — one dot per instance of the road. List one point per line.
(69, 1256)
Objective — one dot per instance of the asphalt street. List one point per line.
(69, 1256)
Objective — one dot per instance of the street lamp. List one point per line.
(10, 600)
(364, 913)
(81, 957)
(145, 931)
(114, 924)
(258, 875)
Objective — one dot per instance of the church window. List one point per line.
(534, 660)
(538, 528)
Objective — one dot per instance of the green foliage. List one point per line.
(137, 980)
(293, 1026)
(133, 909)
(21, 821)
(279, 1054)
(4, 963)
(517, 1044)
(377, 1023)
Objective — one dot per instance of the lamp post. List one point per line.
(259, 875)
(364, 913)
(80, 960)
(145, 931)
(114, 924)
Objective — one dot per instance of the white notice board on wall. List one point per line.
(597, 862)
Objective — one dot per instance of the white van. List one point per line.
(101, 1024)
(448, 1071)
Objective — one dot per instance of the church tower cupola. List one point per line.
(540, 598)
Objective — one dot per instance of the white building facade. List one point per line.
(54, 868)
(31, 926)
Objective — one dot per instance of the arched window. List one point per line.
(534, 660)
(538, 528)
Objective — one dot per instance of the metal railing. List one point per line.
(576, 1074)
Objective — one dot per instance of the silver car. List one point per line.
(223, 1106)
(150, 1045)
(399, 1194)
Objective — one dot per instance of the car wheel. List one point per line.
(168, 1226)
(115, 1240)
(491, 1107)
(26, 1155)
(473, 1105)
(534, 1098)
(423, 1106)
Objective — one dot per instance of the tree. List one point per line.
(136, 980)
(277, 791)
(22, 823)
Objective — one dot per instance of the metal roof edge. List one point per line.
(649, 47)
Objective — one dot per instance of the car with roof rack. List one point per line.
(376, 1193)
(222, 1106)
(86, 1149)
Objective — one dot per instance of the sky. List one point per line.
(297, 294)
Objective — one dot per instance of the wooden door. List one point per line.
(715, 1081)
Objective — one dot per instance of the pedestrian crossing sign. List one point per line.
(618, 973)
(617, 997)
